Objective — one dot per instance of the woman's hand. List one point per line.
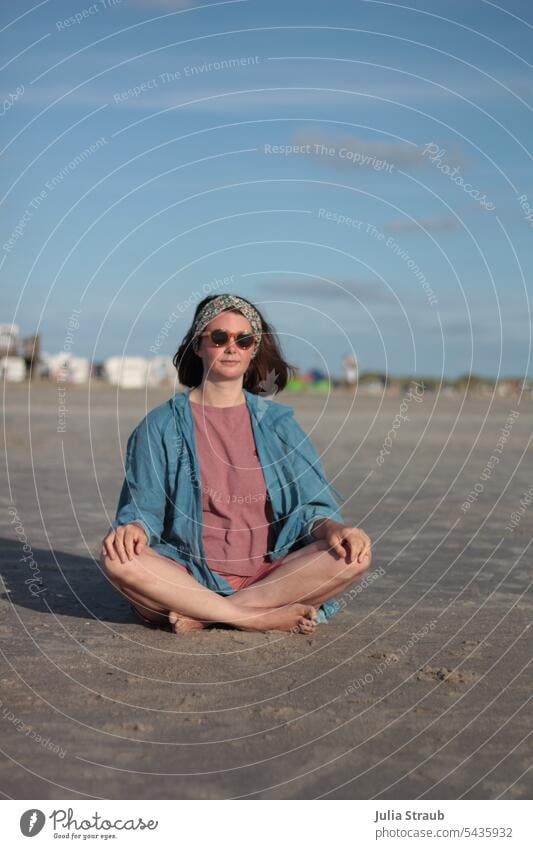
(349, 543)
(126, 541)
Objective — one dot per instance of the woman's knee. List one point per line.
(351, 570)
(125, 573)
(362, 565)
(139, 572)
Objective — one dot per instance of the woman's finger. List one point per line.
(366, 548)
(119, 545)
(362, 534)
(338, 547)
(350, 548)
(345, 549)
(354, 542)
(130, 535)
(108, 546)
(362, 548)
(139, 545)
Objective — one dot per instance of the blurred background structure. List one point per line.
(21, 359)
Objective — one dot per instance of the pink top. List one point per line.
(237, 512)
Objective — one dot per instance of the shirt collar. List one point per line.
(262, 409)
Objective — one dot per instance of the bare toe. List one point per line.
(306, 626)
(183, 624)
(303, 625)
(307, 611)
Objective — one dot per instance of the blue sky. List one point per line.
(361, 170)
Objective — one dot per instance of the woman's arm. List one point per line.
(322, 518)
(143, 495)
(316, 492)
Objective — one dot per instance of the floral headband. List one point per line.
(220, 304)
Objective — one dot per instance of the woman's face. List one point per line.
(228, 361)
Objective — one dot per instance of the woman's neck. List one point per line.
(213, 395)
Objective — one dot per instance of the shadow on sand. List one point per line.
(60, 582)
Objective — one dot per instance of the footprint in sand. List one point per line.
(444, 673)
(384, 655)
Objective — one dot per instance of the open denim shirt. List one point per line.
(162, 489)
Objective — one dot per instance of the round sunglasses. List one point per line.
(219, 337)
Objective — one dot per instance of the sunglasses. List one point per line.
(221, 337)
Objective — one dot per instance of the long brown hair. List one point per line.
(267, 373)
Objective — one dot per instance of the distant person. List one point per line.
(350, 371)
(225, 513)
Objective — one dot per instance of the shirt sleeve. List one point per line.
(143, 495)
(316, 492)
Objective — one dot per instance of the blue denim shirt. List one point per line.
(162, 489)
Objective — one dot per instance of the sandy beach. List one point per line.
(418, 689)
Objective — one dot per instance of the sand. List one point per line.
(418, 689)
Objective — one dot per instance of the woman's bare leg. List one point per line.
(156, 579)
(311, 575)
(305, 576)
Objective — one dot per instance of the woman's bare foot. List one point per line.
(296, 618)
(183, 624)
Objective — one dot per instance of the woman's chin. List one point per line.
(229, 374)
(228, 368)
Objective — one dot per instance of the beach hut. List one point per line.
(160, 371)
(126, 372)
(9, 341)
(67, 368)
(12, 369)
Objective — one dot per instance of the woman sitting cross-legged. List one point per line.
(225, 514)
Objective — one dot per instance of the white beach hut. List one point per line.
(12, 369)
(160, 370)
(68, 368)
(126, 372)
